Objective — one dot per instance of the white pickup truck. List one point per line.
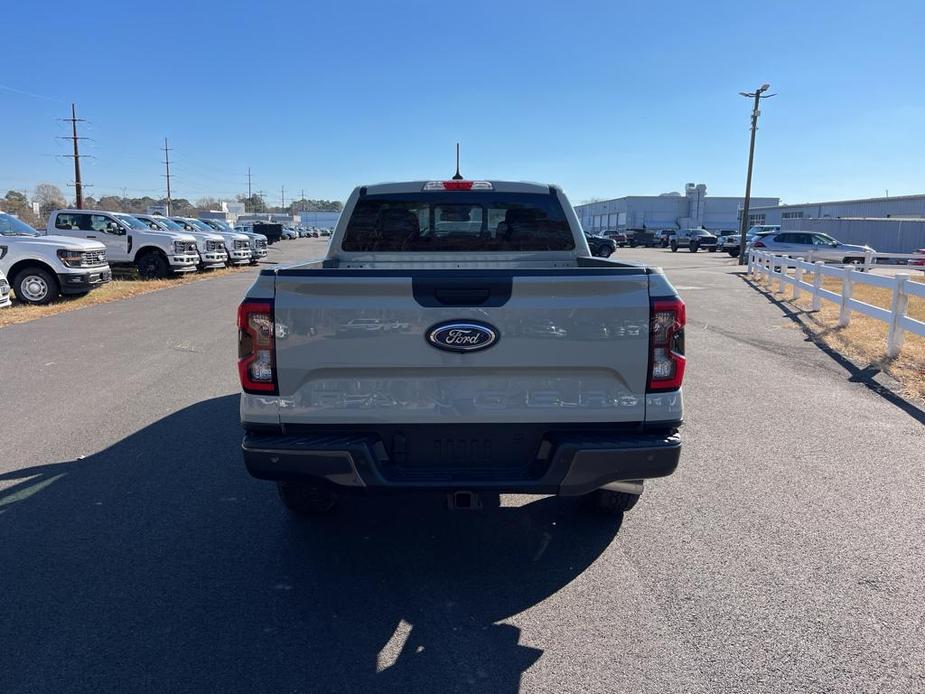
(40, 268)
(128, 241)
(209, 245)
(455, 383)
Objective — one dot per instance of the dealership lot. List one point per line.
(785, 554)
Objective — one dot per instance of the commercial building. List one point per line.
(903, 206)
(693, 209)
(889, 225)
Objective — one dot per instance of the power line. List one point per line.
(76, 156)
(167, 164)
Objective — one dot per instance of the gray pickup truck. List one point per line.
(459, 338)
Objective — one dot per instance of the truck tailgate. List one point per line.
(351, 346)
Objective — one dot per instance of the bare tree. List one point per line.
(49, 197)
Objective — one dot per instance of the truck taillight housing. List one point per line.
(257, 347)
(666, 344)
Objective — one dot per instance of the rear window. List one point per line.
(457, 222)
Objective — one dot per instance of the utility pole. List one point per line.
(758, 95)
(248, 182)
(167, 175)
(282, 198)
(302, 198)
(78, 184)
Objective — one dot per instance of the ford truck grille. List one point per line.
(186, 246)
(214, 245)
(241, 245)
(93, 258)
(261, 243)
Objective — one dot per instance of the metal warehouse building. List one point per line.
(890, 225)
(667, 211)
(904, 206)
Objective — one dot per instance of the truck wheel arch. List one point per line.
(26, 263)
(164, 264)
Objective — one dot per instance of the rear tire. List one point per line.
(306, 498)
(610, 503)
(152, 265)
(733, 252)
(693, 247)
(674, 248)
(35, 286)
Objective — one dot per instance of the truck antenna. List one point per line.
(457, 176)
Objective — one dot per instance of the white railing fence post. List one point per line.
(847, 287)
(896, 335)
(798, 276)
(869, 257)
(817, 285)
(783, 273)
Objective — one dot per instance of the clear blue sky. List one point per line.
(604, 98)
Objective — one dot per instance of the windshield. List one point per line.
(458, 222)
(823, 238)
(202, 226)
(11, 226)
(132, 222)
(165, 223)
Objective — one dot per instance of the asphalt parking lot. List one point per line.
(786, 554)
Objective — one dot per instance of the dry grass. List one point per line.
(114, 291)
(863, 340)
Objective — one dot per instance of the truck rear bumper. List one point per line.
(566, 463)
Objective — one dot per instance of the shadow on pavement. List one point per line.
(864, 375)
(159, 565)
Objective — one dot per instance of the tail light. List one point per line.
(758, 244)
(257, 347)
(666, 344)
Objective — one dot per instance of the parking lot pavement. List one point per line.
(785, 554)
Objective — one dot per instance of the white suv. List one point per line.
(40, 268)
(128, 241)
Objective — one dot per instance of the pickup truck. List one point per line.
(237, 245)
(473, 393)
(40, 268)
(210, 247)
(4, 291)
(128, 241)
(258, 242)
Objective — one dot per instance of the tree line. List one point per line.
(47, 197)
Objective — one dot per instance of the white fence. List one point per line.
(777, 267)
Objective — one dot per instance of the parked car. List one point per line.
(129, 241)
(210, 247)
(662, 236)
(918, 262)
(731, 242)
(273, 231)
(258, 242)
(601, 247)
(5, 292)
(641, 237)
(806, 244)
(618, 237)
(468, 407)
(325, 232)
(40, 268)
(290, 233)
(237, 246)
(693, 240)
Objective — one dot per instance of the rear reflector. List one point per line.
(458, 185)
(257, 347)
(666, 344)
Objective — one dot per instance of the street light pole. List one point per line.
(758, 95)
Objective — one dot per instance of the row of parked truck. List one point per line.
(74, 254)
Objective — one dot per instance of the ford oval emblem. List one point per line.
(462, 336)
